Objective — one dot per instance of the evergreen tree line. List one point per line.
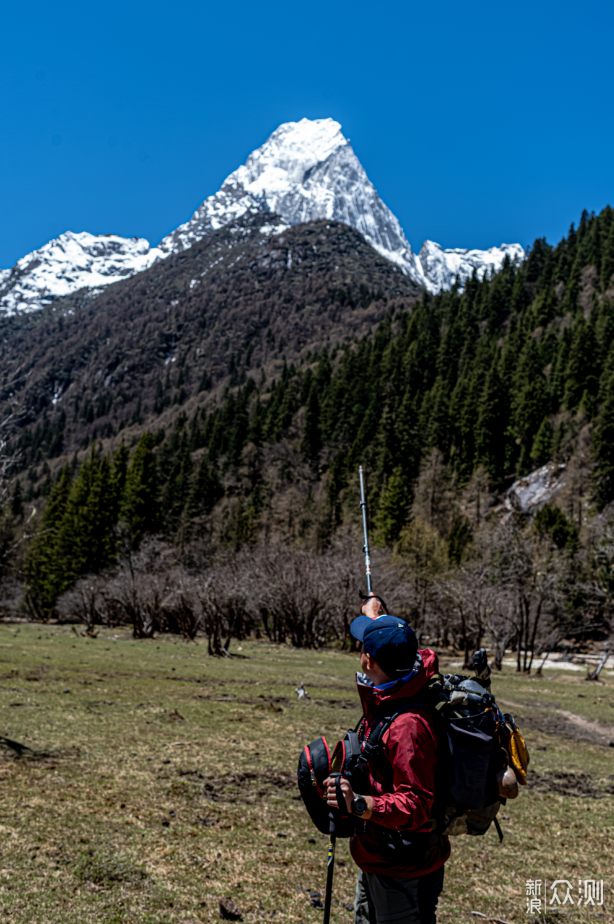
(106, 507)
(503, 375)
(500, 377)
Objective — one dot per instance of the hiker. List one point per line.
(401, 782)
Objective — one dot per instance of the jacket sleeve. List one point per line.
(410, 748)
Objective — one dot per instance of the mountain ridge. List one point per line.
(238, 300)
(304, 171)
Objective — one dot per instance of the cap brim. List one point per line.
(359, 625)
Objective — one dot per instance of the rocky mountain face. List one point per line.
(305, 171)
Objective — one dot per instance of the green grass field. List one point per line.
(161, 780)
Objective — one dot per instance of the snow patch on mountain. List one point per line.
(441, 267)
(71, 262)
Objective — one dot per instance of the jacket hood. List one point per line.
(373, 698)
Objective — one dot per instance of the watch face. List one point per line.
(360, 805)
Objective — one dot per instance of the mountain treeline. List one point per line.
(512, 372)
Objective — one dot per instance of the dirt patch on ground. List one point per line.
(243, 787)
(562, 783)
(262, 700)
(561, 722)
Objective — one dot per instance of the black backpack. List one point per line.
(314, 766)
(466, 720)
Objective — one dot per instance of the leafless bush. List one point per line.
(225, 596)
(293, 594)
(535, 580)
(306, 598)
(85, 601)
(148, 590)
(471, 600)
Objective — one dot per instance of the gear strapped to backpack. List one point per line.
(477, 747)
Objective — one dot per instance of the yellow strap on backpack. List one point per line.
(519, 754)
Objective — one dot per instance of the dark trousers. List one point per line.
(382, 899)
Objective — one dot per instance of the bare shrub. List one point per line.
(471, 600)
(225, 596)
(538, 581)
(294, 596)
(148, 590)
(85, 602)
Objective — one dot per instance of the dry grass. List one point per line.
(165, 780)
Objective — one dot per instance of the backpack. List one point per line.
(476, 743)
(314, 766)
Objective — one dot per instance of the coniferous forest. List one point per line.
(445, 400)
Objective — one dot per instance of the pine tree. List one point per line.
(86, 539)
(542, 444)
(433, 498)
(408, 439)
(603, 451)
(119, 474)
(529, 413)
(607, 260)
(311, 443)
(393, 510)
(17, 501)
(140, 508)
(580, 365)
(491, 425)
(177, 487)
(205, 490)
(158, 398)
(44, 564)
(337, 476)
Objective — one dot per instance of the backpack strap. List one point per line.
(372, 745)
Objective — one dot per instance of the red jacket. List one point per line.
(410, 748)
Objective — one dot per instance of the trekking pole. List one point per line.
(330, 866)
(363, 507)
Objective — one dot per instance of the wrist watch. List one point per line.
(359, 805)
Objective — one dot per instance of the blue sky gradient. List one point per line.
(478, 123)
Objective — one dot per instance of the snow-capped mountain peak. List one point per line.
(70, 262)
(442, 267)
(304, 171)
(290, 152)
(308, 170)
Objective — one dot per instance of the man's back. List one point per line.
(402, 780)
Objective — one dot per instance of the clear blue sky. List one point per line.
(478, 123)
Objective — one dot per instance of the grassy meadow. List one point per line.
(160, 780)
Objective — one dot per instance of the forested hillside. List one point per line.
(471, 388)
(239, 301)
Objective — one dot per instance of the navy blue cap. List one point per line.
(390, 641)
